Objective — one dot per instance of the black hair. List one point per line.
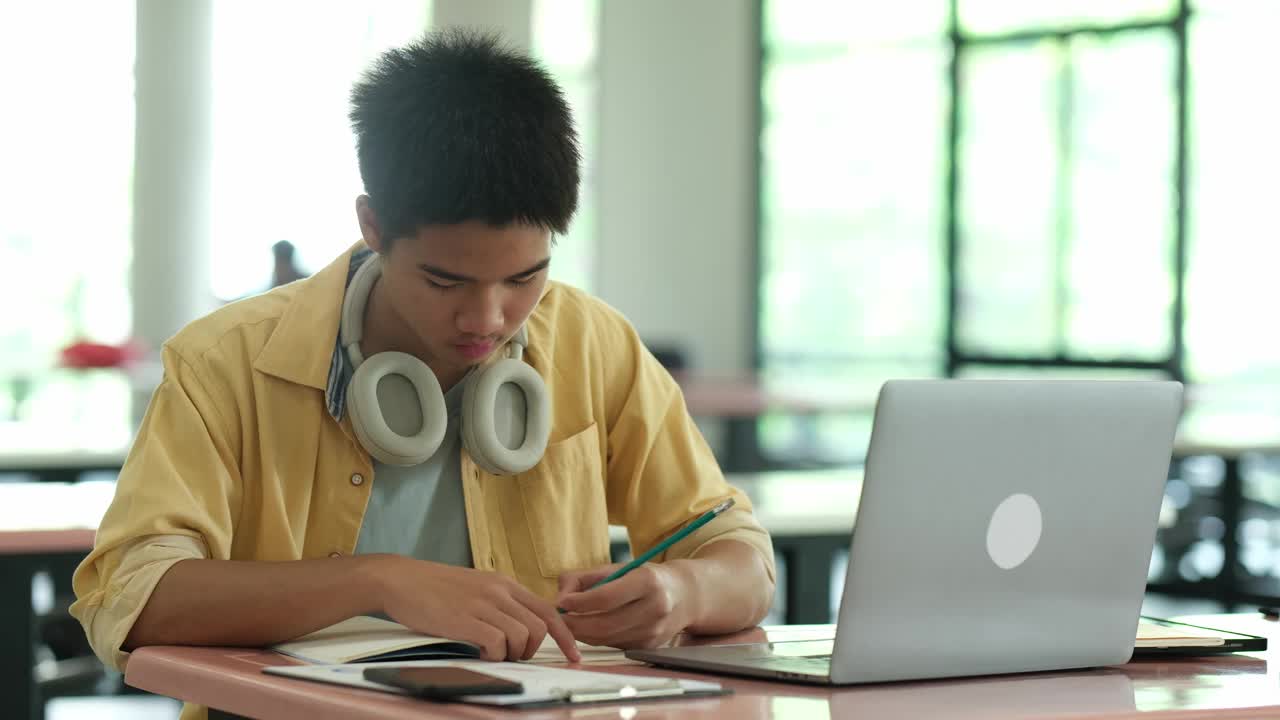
(455, 127)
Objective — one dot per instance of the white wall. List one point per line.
(676, 190)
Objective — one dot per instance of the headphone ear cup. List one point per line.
(369, 422)
(479, 422)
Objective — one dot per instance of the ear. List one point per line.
(369, 226)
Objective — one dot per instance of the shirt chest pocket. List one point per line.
(564, 505)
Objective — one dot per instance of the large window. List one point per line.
(66, 144)
(284, 161)
(1061, 187)
(854, 102)
(564, 39)
(1020, 210)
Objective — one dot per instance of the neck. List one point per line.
(384, 331)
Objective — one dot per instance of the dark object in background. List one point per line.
(670, 356)
(285, 270)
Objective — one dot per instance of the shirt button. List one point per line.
(493, 561)
(357, 479)
(335, 554)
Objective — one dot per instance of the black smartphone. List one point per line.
(442, 683)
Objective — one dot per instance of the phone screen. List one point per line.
(442, 682)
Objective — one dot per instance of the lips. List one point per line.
(474, 351)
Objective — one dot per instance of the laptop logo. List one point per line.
(1014, 531)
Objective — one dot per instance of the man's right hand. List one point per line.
(497, 614)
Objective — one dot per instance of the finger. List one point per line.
(578, 580)
(554, 621)
(613, 627)
(534, 624)
(641, 624)
(612, 595)
(569, 582)
(515, 634)
(490, 640)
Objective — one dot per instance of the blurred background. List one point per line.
(791, 200)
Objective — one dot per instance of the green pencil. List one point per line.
(705, 518)
(684, 532)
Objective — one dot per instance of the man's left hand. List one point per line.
(645, 608)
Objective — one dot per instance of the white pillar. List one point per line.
(512, 18)
(172, 167)
(676, 194)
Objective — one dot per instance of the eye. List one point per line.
(442, 286)
(521, 280)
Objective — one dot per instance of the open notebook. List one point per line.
(1153, 634)
(1168, 637)
(370, 639)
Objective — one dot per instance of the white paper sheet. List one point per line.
(541, 684)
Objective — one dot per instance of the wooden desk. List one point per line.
(23, 553)
(1237, 686)
(740, 399)
(43, 527)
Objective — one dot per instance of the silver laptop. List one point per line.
(1004, 526)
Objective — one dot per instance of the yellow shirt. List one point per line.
(238, 457)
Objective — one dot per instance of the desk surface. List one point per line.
(1236, 686)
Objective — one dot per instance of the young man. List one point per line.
(263, 499)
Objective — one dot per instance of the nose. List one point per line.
(481, 315)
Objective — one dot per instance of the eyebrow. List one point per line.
(446, 275)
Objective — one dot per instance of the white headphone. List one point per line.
(479, 397)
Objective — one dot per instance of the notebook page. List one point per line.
(1156, 635)
(362, 637)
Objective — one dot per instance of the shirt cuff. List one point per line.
(109, 611)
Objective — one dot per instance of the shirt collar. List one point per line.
(304, 347)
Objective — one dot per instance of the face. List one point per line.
(453, 294)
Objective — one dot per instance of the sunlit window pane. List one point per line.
(851, 227)
(1008, 157)
(791, 24)
(854, 106)
(1066, 198)
(565, 33)
(996, 16)
(284, 163)
(1235, 149)
(1120, 268)
(66, 144)
(564, 39)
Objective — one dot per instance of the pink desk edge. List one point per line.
(1236, 686)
